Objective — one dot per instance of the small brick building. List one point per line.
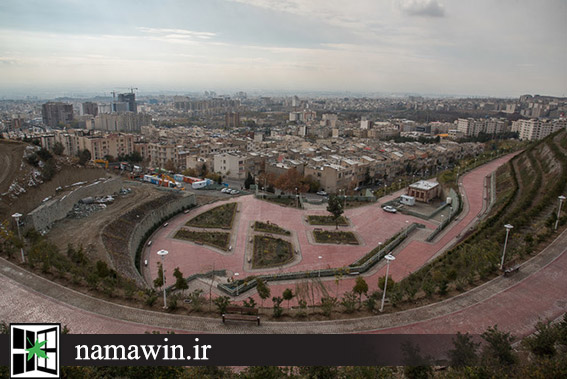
(424, 191)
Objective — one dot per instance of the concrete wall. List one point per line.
(42, 217)
(149, 221)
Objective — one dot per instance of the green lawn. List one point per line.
(215, 239)
(218, 217)
(271, 252)
(324, 236)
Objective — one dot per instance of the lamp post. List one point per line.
(561, 198)
(508, 228)
(17, 216)
(162, 254)
(407, 227)
(320, 257)
(389, 258)
(236, 274)
(296, 198)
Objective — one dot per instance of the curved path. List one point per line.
(539, 290)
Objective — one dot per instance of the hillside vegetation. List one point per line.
(527, 189)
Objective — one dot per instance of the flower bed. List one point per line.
(214, 239)
(326, 220)
(323, 236)
(218, 217)
(271, 252)
(270, 228)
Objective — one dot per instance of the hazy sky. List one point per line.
(480, 47)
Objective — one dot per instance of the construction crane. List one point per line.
(130, 88)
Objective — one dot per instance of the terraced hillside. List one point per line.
(527, 189)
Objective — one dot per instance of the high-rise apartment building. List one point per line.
(57, 114)
(90, 108)
(536, 129)
(130, 100)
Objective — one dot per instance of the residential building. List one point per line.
(536, 129)
(230, 165)
(57, 114)
(89, 108)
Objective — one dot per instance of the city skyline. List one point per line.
(499, 49)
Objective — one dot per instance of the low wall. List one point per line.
(42, 217)
(150, 221)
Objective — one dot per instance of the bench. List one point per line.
(241, 314)
(239, 317)
(242, 310)
(511, 270)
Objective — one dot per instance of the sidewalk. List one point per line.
(496, 302)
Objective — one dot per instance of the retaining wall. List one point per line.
(42, 217)
(150, 220)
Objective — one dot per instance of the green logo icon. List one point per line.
(36, 349)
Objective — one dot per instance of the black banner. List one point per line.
(248, 350)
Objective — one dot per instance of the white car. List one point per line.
(225, 190)
(322, 193)
(389, 209)
(234, 192)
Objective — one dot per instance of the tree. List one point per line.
(382, 280)
(287, 295)
(542, 342)
(158, 282)
(196, 298)
(222, 302)
(203, 172)
(349, 302)
(58, 148)
(335, 207)
(499, 349)
(48, 170)
(327, 305)
(248, 181)
(102, 269)
(169, 165)
(44, 154)
(360, 287)
(277, 300)
(263, 290)
(180, 282)
(415, 365)
(290, 180)
(464, 352)
(84, 156)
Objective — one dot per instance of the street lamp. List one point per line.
(561, 198)
(508, 228)
(407, 227)
(17, 216)
(162, 254)
(388, 258)
(320, 257)
(296, 198)
(236, 274)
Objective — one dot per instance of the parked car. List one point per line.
(225, 190)
(166, 224)
(234, 192)
(322, 193)
(389, 209)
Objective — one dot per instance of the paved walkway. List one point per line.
(515, 303)
(371, 224)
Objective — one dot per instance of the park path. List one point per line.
(515, 303)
